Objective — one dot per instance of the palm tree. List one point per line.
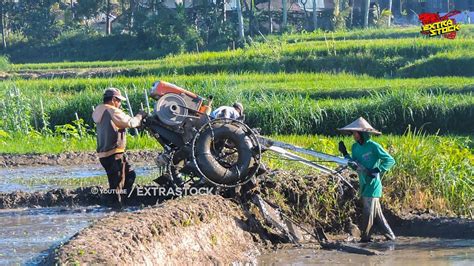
(366, 14)
(241, 20)
(315, 15)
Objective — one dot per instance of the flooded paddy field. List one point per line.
(27, 236)
(403, 251)
(42, 178)
(31, 235)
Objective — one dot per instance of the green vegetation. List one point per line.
(431, 172)
(57, 143)
(387, 76)
(4, 63)
(379, 57)
(280, 103)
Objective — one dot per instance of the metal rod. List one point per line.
(42, 114)
(297, 158)
(324, 156)
(78, 124)
(130, 110)
(147, 102)
(302, 160)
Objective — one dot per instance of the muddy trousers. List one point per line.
(372, 212)
(120, 174)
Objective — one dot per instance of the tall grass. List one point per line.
(55, 144)
(431, 172)
(4, 63)
(363, 34)
(281, 103)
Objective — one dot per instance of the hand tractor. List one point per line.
(223, 152)
(218, 152)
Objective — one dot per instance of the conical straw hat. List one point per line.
(360, 125)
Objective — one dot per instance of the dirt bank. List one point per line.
(429, 225)
(52, 198)
(191, 230)
(70, 73)
(68, 158)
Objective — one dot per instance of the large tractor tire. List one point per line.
(226, 152)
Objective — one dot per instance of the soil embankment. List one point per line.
(192, 230)
(70, 73)
(52, 198)
(67, 158)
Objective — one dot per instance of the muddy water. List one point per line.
(26, 236)
(405, 251)
(14, 179)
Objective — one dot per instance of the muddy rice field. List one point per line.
(64, 218)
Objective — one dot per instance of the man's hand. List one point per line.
(342, 148)
(143, 114)
(353, 165)
(374, 172)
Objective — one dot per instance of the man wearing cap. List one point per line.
(111, 124)
(235, 111)
(372, 162)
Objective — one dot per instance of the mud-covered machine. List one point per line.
(224, 152)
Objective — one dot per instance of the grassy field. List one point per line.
(301, 84)
(392, 53)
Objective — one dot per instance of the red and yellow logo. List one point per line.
(434, 25)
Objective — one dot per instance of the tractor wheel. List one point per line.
(226, 152)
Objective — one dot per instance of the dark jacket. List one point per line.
(111, 124)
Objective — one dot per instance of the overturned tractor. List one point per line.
(200, 148)
(224, 152)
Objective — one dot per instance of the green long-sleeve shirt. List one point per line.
(371, 154)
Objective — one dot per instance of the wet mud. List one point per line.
(191, 230)
(211, 228)
(67, 159)
(405, 251)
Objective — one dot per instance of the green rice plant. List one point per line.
(371, 33)
(460, 62)
(4, 63)
(34, 142)
(300, 103)
(431, 172)
(15, 111)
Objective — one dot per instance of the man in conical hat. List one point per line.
(372, 162)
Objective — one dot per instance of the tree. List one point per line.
(37, 21)
(366, 13)
(4, 7)
(284, 13)
(340, 14)
(315, 15)
(88, 9)
(108, 23)
(241, 21)
(390, 16)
